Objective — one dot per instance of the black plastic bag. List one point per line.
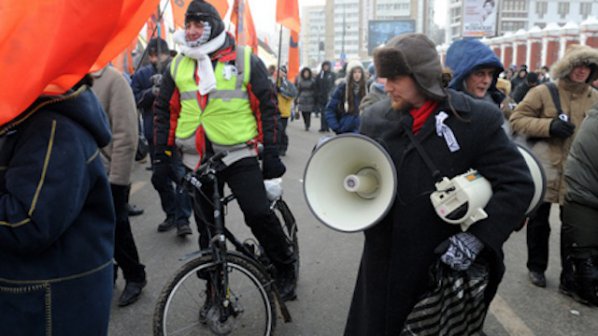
(455, 306)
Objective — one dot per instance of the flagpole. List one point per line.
(279, 57)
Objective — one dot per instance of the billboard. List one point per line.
(479, 18)
(380, 31)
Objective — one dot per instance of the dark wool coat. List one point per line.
(56, 221)
(399, 250)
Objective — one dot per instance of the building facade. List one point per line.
(515, 15)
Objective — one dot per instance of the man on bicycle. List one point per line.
(215, 97)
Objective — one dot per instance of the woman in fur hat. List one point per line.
(342, 111)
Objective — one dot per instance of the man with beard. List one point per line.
(214, 97)
(456, 133)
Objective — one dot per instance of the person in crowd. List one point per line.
(116, 97)
(579, 232)
(551, 133)
(342, 111)
(286, 93)
(530, 81)
(272, 73)
(400, 249)
(508, 104)
(175, 203)
(216, 96)
(475, 70)
(324, 87)
(519, 78)
(56, 218)
(508, 74)
(376, 90)
(306, 96)
(544, 74)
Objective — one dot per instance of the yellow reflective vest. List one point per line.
(227, 118)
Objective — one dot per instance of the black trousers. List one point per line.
(125, 250)
(538, 234)
(284, 138)
(244, 178)
(306, 119)
(323, 122)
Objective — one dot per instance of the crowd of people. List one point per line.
(435, 120)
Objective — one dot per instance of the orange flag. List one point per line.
(287, 14)
(243, 21)
(293, 56)
(179, 7)
(51, 53)
(124, 61)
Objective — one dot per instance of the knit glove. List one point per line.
(272, 166)
(461, 252)
(156, 82)
(561, 129)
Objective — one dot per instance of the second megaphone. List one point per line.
(349, 182)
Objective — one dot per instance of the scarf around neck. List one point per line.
(205, 70)
(421, 114)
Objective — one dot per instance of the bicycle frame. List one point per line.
(217, 242)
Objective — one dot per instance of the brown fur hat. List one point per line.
(574, 56)
(414, 55)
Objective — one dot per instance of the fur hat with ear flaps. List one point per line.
(574, 56)
(414, 55)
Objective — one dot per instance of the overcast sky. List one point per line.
(264, 12)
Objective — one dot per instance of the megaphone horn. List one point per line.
(349, 182)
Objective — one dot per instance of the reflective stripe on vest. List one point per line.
(227, 118)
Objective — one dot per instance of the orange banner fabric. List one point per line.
(51, 44)
(293, 70)
(287, 14)
(246, 34)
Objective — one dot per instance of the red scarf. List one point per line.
(420, 115)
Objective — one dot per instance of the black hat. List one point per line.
(532, 78)
(157, 44)
(199, 10)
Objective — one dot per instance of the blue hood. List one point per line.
(463, 56)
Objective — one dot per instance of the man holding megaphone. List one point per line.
(431, 132)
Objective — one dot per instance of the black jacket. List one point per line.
(399, 250)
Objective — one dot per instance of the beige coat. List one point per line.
(116, 98)
(532, 118)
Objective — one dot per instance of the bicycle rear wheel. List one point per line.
(250, 309)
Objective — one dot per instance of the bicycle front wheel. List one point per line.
(185, 306)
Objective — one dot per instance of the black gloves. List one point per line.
(162, 163)
(272, 166)
(561, 129)
(460, 250)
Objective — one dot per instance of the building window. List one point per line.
(585, 9)
(563, 9)
(541, 8)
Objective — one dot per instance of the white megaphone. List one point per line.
(349, 182)
(461, 200)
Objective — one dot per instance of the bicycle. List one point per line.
(220, 291)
